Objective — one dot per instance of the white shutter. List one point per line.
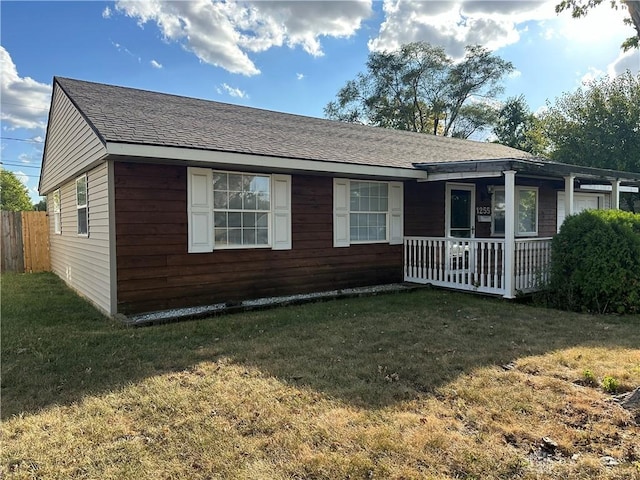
(200, 209)
(396, 201)
(341, 197)
(281, 208)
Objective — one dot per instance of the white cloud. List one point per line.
(25, 102)
(155, 64)
(231, 91)
(592, 74)
(23, 177)
(106, 13)
(299, 76)
(454, 25)
(223, 33)
(122, 48)
(629, 60)
(493, 24)
(25, 158)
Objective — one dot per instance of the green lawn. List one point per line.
(407, 385)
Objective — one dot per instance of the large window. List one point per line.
(526, 211)
(367, 212)
(241, 209)
(369, 206)
(82, 205)
(57, 220)
(237, 210)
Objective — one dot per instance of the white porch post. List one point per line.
(509, 232)
(615, 195)
(568, 195)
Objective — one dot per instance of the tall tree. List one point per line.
(477, 75)
(41, 206)
(420, 89)
(14, 196)
(579, 8)
(598, 125)
(472, 118)
(516, 126)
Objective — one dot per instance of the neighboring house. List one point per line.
(158, 201)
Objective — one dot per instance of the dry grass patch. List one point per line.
(417, 385)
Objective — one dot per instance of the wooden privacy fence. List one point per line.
(25, 242)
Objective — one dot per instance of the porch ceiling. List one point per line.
(537, 167)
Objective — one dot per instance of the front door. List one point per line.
(460, 208)
(460, 225)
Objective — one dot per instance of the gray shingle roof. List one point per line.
(134, 116)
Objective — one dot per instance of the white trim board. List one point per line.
(208, 157)
(606, 188)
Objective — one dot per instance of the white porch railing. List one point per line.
(476, 264)
(532, 258)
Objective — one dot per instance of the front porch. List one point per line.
(478, 264)
(487, 226)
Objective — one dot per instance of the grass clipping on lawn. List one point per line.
(428, 384)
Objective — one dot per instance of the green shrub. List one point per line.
(610, 384)
(589, 378)
(595, 263)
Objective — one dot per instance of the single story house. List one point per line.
(159, 201)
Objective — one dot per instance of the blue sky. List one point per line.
(283, 56)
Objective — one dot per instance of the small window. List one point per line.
(526, 211)
(241, 209)
(57, 221)
(82, 205)
(369, 206)
(497, 226)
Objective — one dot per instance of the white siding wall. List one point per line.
(72, 146)
(583, 201)
(84, 262)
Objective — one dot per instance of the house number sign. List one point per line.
(483, 210)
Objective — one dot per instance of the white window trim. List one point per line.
(85, 205)
(200, 211)
(269, 213)
(57, 212)
(518, 190)
(342, 213)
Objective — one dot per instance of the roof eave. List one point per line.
(226, 159)
(534, 166)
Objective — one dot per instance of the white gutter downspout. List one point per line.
(509, 232)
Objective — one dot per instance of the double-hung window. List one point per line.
(57, 220)
(369, 207)
(241, 209)
(238, 210)
(82, 205)
(526, 211)
(367, 212)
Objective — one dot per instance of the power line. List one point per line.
(26, 105)
(27, 140)
(22, 165)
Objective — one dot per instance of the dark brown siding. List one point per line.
(424, 209)
(424, 204)
(156, 272)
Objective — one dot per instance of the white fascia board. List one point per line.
(608, 188)
(259, 161)
(437, 177)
